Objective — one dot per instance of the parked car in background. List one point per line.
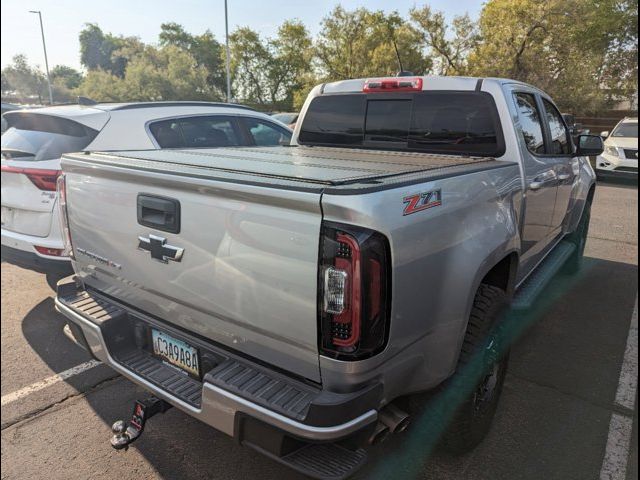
(288, 296)
(36, 139)
(575, 129)
(288, 119)
(620, 157)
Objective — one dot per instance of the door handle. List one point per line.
(536, 185)
(564, 176)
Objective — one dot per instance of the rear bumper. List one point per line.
(33, 261)
(223, 404)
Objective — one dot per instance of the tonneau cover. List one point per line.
(305, 168)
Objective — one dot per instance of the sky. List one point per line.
(63, 20)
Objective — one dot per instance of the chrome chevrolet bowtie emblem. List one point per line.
(159, 249)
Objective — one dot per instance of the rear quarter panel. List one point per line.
(439, 257)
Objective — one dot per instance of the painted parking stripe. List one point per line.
(628, 383)
(616, 457)
(47, 382)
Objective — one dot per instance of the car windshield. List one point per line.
(43, 137)
(628, 129)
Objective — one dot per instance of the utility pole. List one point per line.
(228, 57)
(46, 60)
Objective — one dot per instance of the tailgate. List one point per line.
(247, 276)
(26, 208)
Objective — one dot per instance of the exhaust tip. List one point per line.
(380, 434)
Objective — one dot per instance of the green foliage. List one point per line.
(205, 49)
(582, 52)
(449, 48)
(67, 77)
(103, 51)
(168, 73)
(269, 72)
(24, 81)
(361, 43)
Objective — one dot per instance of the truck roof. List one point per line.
(429, 82)
(297, 167)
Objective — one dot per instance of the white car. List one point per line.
(36, 139)
(620, 157)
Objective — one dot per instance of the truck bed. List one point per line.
(335, 170)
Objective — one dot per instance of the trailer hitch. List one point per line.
(125, 433)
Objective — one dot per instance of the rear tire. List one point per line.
(480, 374)
(579, 239)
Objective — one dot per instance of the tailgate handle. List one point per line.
(161, 213)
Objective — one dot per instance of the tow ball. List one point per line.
(124, 434)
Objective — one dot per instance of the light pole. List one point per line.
(226, 29)
(46, 61)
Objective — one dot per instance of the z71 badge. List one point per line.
(422, 201)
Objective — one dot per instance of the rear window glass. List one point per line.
(435, 122)
(43, 137)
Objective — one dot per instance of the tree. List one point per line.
(66, 76)
(579, 51)
(22, 79)
(270, 72)
(361, 43)
(102, 51)
(449, 51)
(205, 49)
(154, 74)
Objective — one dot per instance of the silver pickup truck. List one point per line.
(287, 295)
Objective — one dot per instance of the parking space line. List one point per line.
(627, 386)
(616, 457)
(47, 382)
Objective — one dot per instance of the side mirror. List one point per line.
(604, 134)
(589, 146)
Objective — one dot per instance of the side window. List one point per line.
(266, 134)
(167, 134)
(530, 122)
(559, 138)
(201, 132)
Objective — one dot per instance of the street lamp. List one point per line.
(46, 61)
(226, 29)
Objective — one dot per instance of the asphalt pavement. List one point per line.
(554, 420)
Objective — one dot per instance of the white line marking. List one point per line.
(616, 456)
(614, 466)
(47, 382)
(628, 384)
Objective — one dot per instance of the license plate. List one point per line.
(176, 352)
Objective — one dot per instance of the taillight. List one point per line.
(393, 84)
(52, 252)
(354, 293)
(64, 218)
(41, 178)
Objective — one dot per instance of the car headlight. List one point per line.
(613, 151)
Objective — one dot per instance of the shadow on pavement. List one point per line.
(552, 422)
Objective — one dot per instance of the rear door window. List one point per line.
(196, 132)
(35, 136)
(530, 122)
(433, 122)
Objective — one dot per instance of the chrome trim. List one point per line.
(219, 407)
